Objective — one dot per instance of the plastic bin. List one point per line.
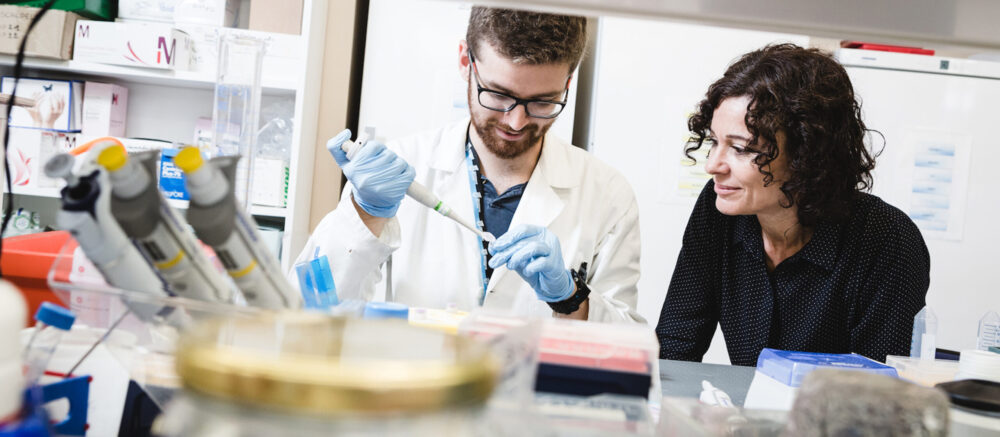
(26, 262)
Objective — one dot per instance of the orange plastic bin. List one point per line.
(26, 262)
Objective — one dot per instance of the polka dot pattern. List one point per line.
(854, 287)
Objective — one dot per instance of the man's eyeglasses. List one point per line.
(498, 101)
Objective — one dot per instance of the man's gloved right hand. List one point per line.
(379, 176)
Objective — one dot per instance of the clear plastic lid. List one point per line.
(789, 367)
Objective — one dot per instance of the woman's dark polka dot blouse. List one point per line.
(854, 287)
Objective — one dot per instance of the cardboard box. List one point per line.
(283, 57)
(209, 12)
(28, 151)
(221, 13)
(171, 178)
(280, 16)
(134, 44)
(270, 182)
(105, 106)
(57, 105)
(148, 10)
(52, 37)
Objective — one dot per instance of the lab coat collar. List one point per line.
(554, 162)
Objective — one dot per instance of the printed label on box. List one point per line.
(105, 106)
(171, 178)
(50, 104)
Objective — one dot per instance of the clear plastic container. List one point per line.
(924, 341)
(236, 112)
(924, 372)
(52, 322)
(309, 374)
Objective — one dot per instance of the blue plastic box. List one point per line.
(789, 367)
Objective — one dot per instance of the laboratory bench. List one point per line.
(683, 379)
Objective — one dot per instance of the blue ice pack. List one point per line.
(789, 367)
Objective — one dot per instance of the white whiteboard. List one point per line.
(910, 106)
(650, 76)
(411, 78)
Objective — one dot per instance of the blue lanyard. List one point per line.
(476, 189)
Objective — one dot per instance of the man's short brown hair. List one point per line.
(528, 37)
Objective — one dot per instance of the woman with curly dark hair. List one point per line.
(784, 248)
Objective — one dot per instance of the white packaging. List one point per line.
(270, 182)
(767, 393)
(148, 10)
(29, 149)
(105, 106)
(283, 58)
(57, 103)
(11, 378)
(133, 43)
(209, 12)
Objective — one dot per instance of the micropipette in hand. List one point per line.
(416, 190)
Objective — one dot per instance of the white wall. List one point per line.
(411, 77)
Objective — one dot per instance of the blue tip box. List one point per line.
(789, 367)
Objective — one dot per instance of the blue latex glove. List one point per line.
(533, 252)
(379, 176)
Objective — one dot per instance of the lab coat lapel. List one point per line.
(540, 204)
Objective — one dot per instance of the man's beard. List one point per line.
(500, 147)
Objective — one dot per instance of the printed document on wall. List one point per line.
(940, 166)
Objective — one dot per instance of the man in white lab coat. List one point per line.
(567, 224)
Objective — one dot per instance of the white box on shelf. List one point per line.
(283, 57)
(270, 182)
(57, 103)
(104, 108)
(29, 149)
(210, 12)
(133, 43)
(149, 10)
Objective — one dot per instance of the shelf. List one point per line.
(150, 76)
(256, 210)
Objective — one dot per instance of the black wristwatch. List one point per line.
(572, 304)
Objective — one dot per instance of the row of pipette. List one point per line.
(114, 209)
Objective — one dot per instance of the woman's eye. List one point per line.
(742, 150)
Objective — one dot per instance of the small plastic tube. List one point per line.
(52, 322)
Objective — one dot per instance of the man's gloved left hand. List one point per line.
(534, 253)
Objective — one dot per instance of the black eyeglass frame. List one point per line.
(517, 101)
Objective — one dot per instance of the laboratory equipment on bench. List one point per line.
(316, 283)
(220, 222)
(780, 373)
(86, 214)
(308, 374)
(924, 372)
(416, 191)
(386, 310)
(158, 231)
(52, 321)
(924, 342)
(989, 331)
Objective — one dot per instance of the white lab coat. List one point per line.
(435, 262)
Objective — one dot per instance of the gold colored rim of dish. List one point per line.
(324, 385)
